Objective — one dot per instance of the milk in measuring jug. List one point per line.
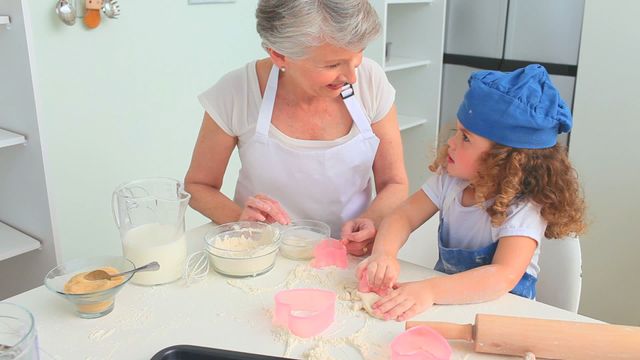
(156, 242)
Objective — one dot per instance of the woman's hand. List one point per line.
(381, 271)
(263, 208)
(405, 301)
(358, 235)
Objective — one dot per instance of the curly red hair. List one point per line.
(544, 176)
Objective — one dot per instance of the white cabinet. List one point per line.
(26, 234)
(15, 243)
(554, 40)
(476, 28)
(410, 50)
(8, 138)
(12, 241)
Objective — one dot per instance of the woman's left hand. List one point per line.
(358, 235)
(405, 301)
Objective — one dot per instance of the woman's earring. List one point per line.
(283, 69)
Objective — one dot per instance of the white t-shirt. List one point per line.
(234, 103)
(470, 227)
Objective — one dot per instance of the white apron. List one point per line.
(331, 185)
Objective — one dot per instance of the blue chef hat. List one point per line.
(521, 109)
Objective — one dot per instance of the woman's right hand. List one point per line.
(382, 271)
(263, 208)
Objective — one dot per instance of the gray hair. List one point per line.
(292, 27)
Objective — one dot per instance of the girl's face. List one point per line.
(465, 151)
(324, 71)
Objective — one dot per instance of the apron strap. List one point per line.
(268, 100)
(449, 198)
(348, 96)
(355, 109)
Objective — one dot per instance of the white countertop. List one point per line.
(214, 313)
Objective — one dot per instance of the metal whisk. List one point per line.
(196, 267)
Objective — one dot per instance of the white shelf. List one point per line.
(408, 122)
(5, 20)
(400, 63)
(8, 138)
(393, 2)
(14, 242)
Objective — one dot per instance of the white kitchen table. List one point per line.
(236, 315)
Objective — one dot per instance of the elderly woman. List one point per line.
(311, 122)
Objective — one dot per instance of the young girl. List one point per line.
(501, 185)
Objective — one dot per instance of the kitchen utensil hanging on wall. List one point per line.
(86, 10)
(66, 11)
(111, 9)
(92, 16)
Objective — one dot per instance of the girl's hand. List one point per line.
(263, 208)
(381, 271)
(358, 235)
(405, 301)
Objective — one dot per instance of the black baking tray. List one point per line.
(191, 352)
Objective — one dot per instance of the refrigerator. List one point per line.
(505, 35)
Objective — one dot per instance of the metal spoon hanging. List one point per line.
(111, 9)
(66, 12)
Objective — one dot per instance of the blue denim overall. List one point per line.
(453, 260)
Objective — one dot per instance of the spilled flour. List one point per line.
(100, 334)
(322, 344)
(349, 305)
(301, 273)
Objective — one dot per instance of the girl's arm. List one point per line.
(483, 283)
(382, 267)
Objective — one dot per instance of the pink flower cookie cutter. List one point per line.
(329, 252)
(420, 343)
(305, 312)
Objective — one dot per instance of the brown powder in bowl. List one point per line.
(79, 285)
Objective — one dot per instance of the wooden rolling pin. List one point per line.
(549, 339)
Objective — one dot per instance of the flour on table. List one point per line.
(349, 306)
(300, 274)
(318, 352)
(321, 344)
(101, 334)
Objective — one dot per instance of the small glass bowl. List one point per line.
(94, 304)
(18, 335)
(301, 237)
(243, 248)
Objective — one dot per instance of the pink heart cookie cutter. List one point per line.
(420, 343)
(305, 312)
(329, 252)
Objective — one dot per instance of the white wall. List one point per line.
(119, 102)
(605, 149)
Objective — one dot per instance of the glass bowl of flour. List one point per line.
(300, 238)
(243, 248)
